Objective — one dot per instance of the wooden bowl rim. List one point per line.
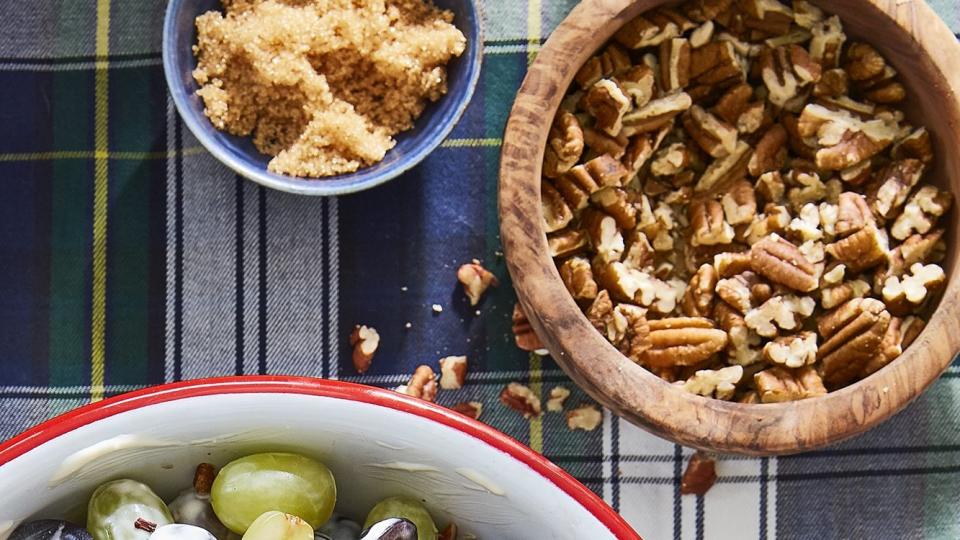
(630, 390)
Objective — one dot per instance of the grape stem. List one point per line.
(203, 478)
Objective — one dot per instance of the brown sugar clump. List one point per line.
(322, 85)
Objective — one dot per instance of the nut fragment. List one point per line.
(743, 291)
(715, 136)
(844, 140)
(585, 417)
(792, 351)
(523, 334)
(776, 385)
(578, 278)
(450, 531)
(566, 242)
(781, 262)
(770, 153)
(740, 203)
(656, 114)
(558, 394)
(853, 214)
(423, 384)
(862, 250)
(921, 212)
(521, 399)
(674, 64)
(720, 383)
(556, 213)
(892, 185)
(787, 71)
(607, 103)
(904, 295)
(682, 341)
(472, 409)
(564, 145)
(453, 372)
(365, 340)
(852, 333)
(785, 312)
(699, 476)
(476, 280)
(832, 297)
(631, 331)
(698, 299)
(708, 224)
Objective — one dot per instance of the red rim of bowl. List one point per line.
(88, 414)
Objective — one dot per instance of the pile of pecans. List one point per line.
(734, 199)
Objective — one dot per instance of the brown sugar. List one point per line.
(322, 85)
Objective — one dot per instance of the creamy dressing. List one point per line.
(75, 463)
(481, 481)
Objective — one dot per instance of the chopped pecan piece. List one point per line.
(792, 351)
(604, 234)
(698, 299)
(785, 312)
(614, 201)
(670, 160)
(585, 417)
(724, 171)
(720, 383)
(916, 145)
(887, 193)
(702, 35)
(774, 220)
(715, 136)
(521, 399)
(708, 224)
(770, 153)
(641, 32)
(731, 263)
(601, 143)
(566, 242)
(475, 280)
(600, 315)
(365, 341)
(523, 334)
(826, 41)
(556, 213)
(771, 188)
(904, 295)
(699, 476)
(578, 278)
(607, 103)
(606, 170)
(641, 147)
(612, 61)
(843, 139)
(740, 203)
(743, 291)
(715, 63)
(777, 384)
(743, 343)
(833, 83)
(682, 341)
(423, 384)
(675, 64)
(453, 372)
(921, 212)
(862, 250)
(809, 189)
(853, 214)
(781, 262)
(852, 334)
(656, 114)
(564, 145)
(472, 409)
(832, 297)
(733, 103)
(786, 72)
(631, 331)
(638, 83)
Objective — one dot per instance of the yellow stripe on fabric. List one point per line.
(536, 386)
(101, 143)
(533, 29)
(91, 154)
(470, 143)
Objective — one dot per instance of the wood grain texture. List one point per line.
(926, 54)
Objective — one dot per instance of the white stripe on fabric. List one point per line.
(168, 372)
(333, 287)
(209, 294)
(78, 66)
(295, 281)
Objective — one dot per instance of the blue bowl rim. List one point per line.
(335, 185)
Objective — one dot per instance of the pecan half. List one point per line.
(862, 250)
(785, 312)
(720, 383)
(743, 291)
(852, 334)
(683, 341)
(781, 262)
(777, 384)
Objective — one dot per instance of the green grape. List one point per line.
(407, 508)
(289, 483)
(278, 526)
(115, 506)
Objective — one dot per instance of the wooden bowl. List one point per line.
(925, 52)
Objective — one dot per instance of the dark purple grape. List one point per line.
(48, 529)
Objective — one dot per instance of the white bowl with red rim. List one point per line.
(377, 443)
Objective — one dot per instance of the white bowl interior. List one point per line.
(372, 450)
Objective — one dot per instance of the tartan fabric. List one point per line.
(130, 257)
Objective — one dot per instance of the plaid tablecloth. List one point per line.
(130, 257)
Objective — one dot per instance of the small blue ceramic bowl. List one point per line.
(238, 153)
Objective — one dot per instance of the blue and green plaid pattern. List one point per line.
(131, 257)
